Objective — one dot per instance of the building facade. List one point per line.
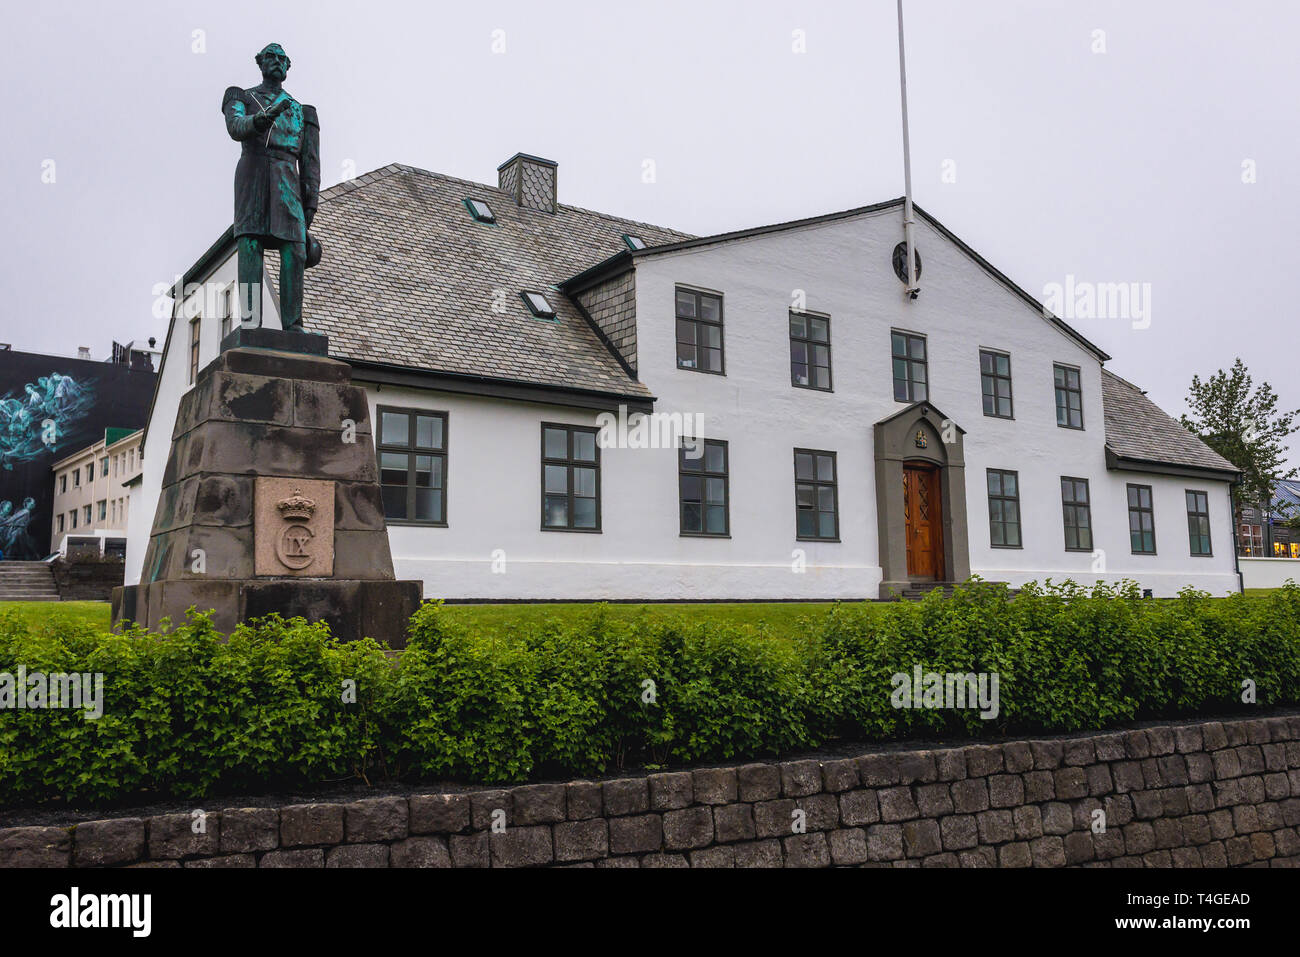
(569, 405)
(91, 491)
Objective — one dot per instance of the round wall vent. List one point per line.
(900, 261)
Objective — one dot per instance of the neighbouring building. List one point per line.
(91, 496)
(51, 407)
(532, 367)
(1264, 533)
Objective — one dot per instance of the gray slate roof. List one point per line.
(409, 279)
(1137, 428)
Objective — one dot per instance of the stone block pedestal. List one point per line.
(270, 500)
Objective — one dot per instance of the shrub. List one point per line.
(283, 704)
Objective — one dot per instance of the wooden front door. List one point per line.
(922, 511)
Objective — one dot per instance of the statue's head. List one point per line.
(6, 507)
(29, 503)
(273, 62)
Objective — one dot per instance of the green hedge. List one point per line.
(189, 713)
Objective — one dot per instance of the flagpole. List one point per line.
(912, 290)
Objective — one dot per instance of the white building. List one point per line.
(858, 441)
(91, 495)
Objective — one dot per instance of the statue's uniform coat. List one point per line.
(277, 181)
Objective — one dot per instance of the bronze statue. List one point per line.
(277, 185)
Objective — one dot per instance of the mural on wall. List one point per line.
(52, 407)
(45, 415)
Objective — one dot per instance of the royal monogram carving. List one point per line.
(294, 527)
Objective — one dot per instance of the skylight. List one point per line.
(633, 242)
(538, 305)
(480, 211)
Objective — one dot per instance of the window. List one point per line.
(412, 452)
(911, 378)
(1141, 520)
(810, 351)
(86, 515)
(1198, 522)
(1069, 397)
(633, 242)
(538, 305)
(103, 509)
(73, 516)
(1004, 508)
(995, 377)
(60, 531)
(194, 349)
(480, 211)
(1078, 514)
(1252, 540)
(570, 478)
(63, 483)
(699, 331)
(103, 467)
(76, 478)
(702, 483)
(815, 496)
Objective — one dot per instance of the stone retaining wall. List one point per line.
(1205, 794)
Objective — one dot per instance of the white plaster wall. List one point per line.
(1269, 572)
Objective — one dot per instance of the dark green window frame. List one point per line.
(909, 359)
(1076, 508)
(412, 468)
(1004, 508)
(704, 490)
(810, 351)
(1069, 396)
(995, 383)
(579, 456)
(1198, 523)
(700, 341)
(1141, 520)
(816, 496)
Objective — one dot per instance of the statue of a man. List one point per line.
(277, 185)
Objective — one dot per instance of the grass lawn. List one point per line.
(41, 612)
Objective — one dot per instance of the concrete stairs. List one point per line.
(27, 581)
(918, 590)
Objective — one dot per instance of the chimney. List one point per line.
(83, 352)
(530, 180)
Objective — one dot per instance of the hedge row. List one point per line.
(282, 704)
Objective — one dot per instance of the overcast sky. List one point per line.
(1117, 166)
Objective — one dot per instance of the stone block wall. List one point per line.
(1203, 794)
(92, 580)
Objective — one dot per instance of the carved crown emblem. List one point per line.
(297, 507)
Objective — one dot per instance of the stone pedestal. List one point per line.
(270, 500)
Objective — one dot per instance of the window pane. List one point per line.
(685, 303)
(713, 360)
(584, 482)
(557, 444)
(821, 355)
(584, 446)
(825, 468)
(685, 356)
(917, 348)
(686, 331)
(394, 501)
(986, 362)
(798, 327)
(717, 519)
(710, 308)
(822, 377)
(1003, 366)
(692, 520)
(392, 468)
(716, 490)
(428, 431)
(826, 498)
(715, 457)
(428, 504)
(557, 510)
(803, 465)
(807, 523)
(818, 329)
(584, 513)
(898, 345)
(395, 429)
(557, 479)
(692, 488)
(1013, 535)
(805, 496)
(995, 534)
(427, 473)
(995, 483)
(989, 407)
(799, 352)
(826, 524)
(919, 392)
(712, 336)
(1009, 484)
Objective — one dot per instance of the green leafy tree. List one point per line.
(1242, 423)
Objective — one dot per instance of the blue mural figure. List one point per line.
(48, 410)
(15, 538)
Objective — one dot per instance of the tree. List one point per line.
(1243, 425)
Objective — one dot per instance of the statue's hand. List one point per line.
(262, 122)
